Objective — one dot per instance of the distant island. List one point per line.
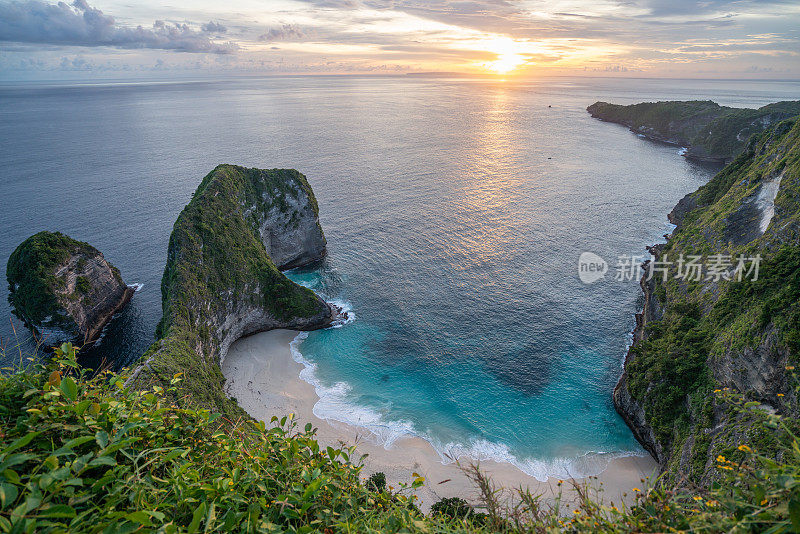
(708, 131)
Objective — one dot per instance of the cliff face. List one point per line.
(710, 132)
(695, 336)
(222, 279)
(64, 289)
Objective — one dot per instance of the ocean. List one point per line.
(455, 212)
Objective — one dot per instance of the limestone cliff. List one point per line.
(63, 289)
(710, 132)
(222, 279)
(696, 336)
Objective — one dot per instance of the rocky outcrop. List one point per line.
(695, 337)
(63, 289)
(223, 276)
(683, 207)
(708, 131)
(290, 230)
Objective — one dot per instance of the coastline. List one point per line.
(263, 377)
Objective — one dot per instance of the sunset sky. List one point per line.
(670, 38)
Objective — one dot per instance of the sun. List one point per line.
(508, 55)
(505, 63)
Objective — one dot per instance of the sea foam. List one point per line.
(334, 406)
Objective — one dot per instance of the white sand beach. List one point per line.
(265, 380)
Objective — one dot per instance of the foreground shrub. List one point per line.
(87, 454)
(454, 507)
(376, 482)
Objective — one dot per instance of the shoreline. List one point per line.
(263, 377)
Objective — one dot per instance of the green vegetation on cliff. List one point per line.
(31, 274)
(218, 269)
(717, 334)
(710, 131)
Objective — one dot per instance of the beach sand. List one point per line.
(263, 377)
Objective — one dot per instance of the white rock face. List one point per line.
(291, 231)
(765, 201)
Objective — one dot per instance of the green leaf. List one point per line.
(102, 460)
(101, 437)
(8, 494)
(81, 407)
(77, 441)
(21, 442)
(15, 459)
(139, 517)
(794, 514)
(69, 388)
(11, 476)
(312, 489)
(58, 510)
(197, 516)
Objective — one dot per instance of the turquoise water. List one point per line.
(455, 212)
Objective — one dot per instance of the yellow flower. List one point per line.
(765, 501)
(697, 498)
(790, 367)
(744, 448)
(576, 512)
(780, 394)
(721, 459)
(636, 489)
(717, 390)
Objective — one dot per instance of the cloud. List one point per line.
(287, 32)
(79, 24)
(213, 27)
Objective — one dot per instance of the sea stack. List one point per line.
(223, 277)
(64, 289)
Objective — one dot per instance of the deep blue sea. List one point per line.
(455, 212)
